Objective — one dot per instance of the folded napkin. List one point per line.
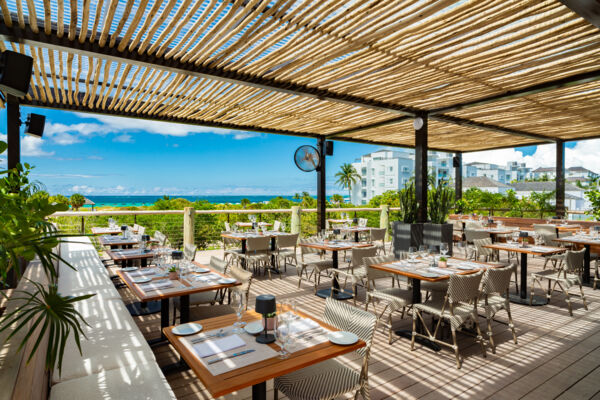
(211, 347)
(211, 276)
(142, 272)
(303, 325)
(157, 285)
(130, 251)
(441, 271)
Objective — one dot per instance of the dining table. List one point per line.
(420, 269)
(104, 230)
(357, 230)
(525, 250)
(116, 241)
(497, 231)
(334, 246)
(160, 289)
(251, 224)
(251, 364)
(125, 257)
(587, 241)
(242, 237)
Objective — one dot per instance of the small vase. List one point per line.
(442, 264)
(270, 323)
(173, 276)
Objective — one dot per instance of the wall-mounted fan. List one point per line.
(307, 158)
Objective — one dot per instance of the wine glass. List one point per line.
(412, 253)
(282, 333)
(515, 237)
(238, 302)
(444, 248)
(423, 250)
(282, 226)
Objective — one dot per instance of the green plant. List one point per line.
(59, 199)
(26, 234)
(77, 200)
(408, 203)
(347, 177)
(173, 269)
(593, 196)
(440, 199)
(271, 315)
(541, 200)
(443, 258)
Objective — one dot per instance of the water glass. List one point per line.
(444, 248)
(423, 250)
(282, 227)
(239, 305)
(282, 334)
(412, 253)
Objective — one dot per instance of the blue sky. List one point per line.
(98, 154)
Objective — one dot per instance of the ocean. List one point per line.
(137, 201)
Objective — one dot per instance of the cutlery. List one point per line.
(221, 333)
(241, 353)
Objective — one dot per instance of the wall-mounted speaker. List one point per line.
(35, 125)
(455, 162)
(15, 73)
(329, 148)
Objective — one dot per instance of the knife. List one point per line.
(241, 353)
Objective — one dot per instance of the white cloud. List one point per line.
(98, 158)
(85, 176)
(64, 135)
(124, 138)
(32, 147)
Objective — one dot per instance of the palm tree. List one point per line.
(347, 177)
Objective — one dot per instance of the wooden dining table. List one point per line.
(334, 247)
(182, 288)
(103, 230)
(255, 375)
(587, 241)
(125, 257)
(496, 231)
(395, 267)
(242, 237)
(525, 251)
(120, 241)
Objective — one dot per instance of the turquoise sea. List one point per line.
(137, 201)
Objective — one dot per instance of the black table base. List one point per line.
(537, 300)
(405, 333)
(337, 294)
(259, 391)
(138, 308)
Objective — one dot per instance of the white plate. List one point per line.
(226, 281)
(201, 270)
(254, 328)
(187, 329)
(465, 267)
(342, 338)
(143, 279)
(129, 269)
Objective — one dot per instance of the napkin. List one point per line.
(211, 347)
(207, 277)
(131, 251)
(303, 325)
(442, 271)
(156, 285)
(142, 272)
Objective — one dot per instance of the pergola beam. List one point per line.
(587, 9)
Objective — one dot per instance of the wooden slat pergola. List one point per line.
(481, 74)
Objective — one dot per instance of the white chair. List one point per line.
(276, 226)
(566, 276)
(286, 249)
(470, 235)
(318, 266)
(231, 250)
(141, 230)
(189, 252)
(458, 307)
(227, 227)
(161, 238)
(258, 254)
(494, 297)
(362, 222)
(393, 299)
(332, 378)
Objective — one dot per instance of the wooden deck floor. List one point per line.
(557, 356)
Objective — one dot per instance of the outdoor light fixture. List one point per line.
(34, 126)
(265, 305)
(15, 73)
(418, 123)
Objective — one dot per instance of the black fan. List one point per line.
(307, 158)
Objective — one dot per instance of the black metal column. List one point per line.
(458, 172)
(421, 170)
(321, 192)
(13, 124)
(560, 178)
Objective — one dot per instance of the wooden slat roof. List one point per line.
(318, 67)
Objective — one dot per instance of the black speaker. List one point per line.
(35, 125)
(15, 73)
(329, 148)
(455, 162)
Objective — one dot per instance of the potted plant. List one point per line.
(440, 200)
(407, 232)
(443, 262)
(270, 321)
(173, 273)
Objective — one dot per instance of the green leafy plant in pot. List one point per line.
(440, 200)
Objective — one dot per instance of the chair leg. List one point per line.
(275, 394)
(491, 335)
(414, 330)
(455, 347)
(480, 336)
(511, 324)
(583, 296)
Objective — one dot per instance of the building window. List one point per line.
(391, 169)
(381, 184)
(364, 193)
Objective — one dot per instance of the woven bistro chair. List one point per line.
(555, 259)
(357, 272)
(258, 254)
(189, 252)
(232, 252)
(276, 226)
(286, 249)
(378, 239)
(470, 235)
(318, 266)
(332, 378)
(161, 238)
(545, 229)
(488, 257)
(494, 297)
(141, 230)
(565, 276)
(392, 298)
(458, 307)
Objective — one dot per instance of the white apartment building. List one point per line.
(385, 170)
(513, 171)
(571, 174)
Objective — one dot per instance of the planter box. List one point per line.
(434, 234)
(405, 235)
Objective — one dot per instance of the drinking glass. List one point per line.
(412, 253)
(444, 248)
(238, 302)
(423, 250)
(282, 333)
(282, 227)
(515, 236)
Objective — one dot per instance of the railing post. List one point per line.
(135, 218)
(82, 225)
(296, 221)
(384, 219)
(188, 225)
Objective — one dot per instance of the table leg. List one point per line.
(523, 297)
(586, 267)
(274, 266)
(337, 294)
(243, 261)
(405, 333)
(356, 237)
(259, 391)
(144, 262)
(184, 309)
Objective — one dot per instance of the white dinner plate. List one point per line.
(254, 328)
(226, 281)
(129, 269)
(465, 267)
(143, 279)
(342, 338)
(187, 329)
(201, 270)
